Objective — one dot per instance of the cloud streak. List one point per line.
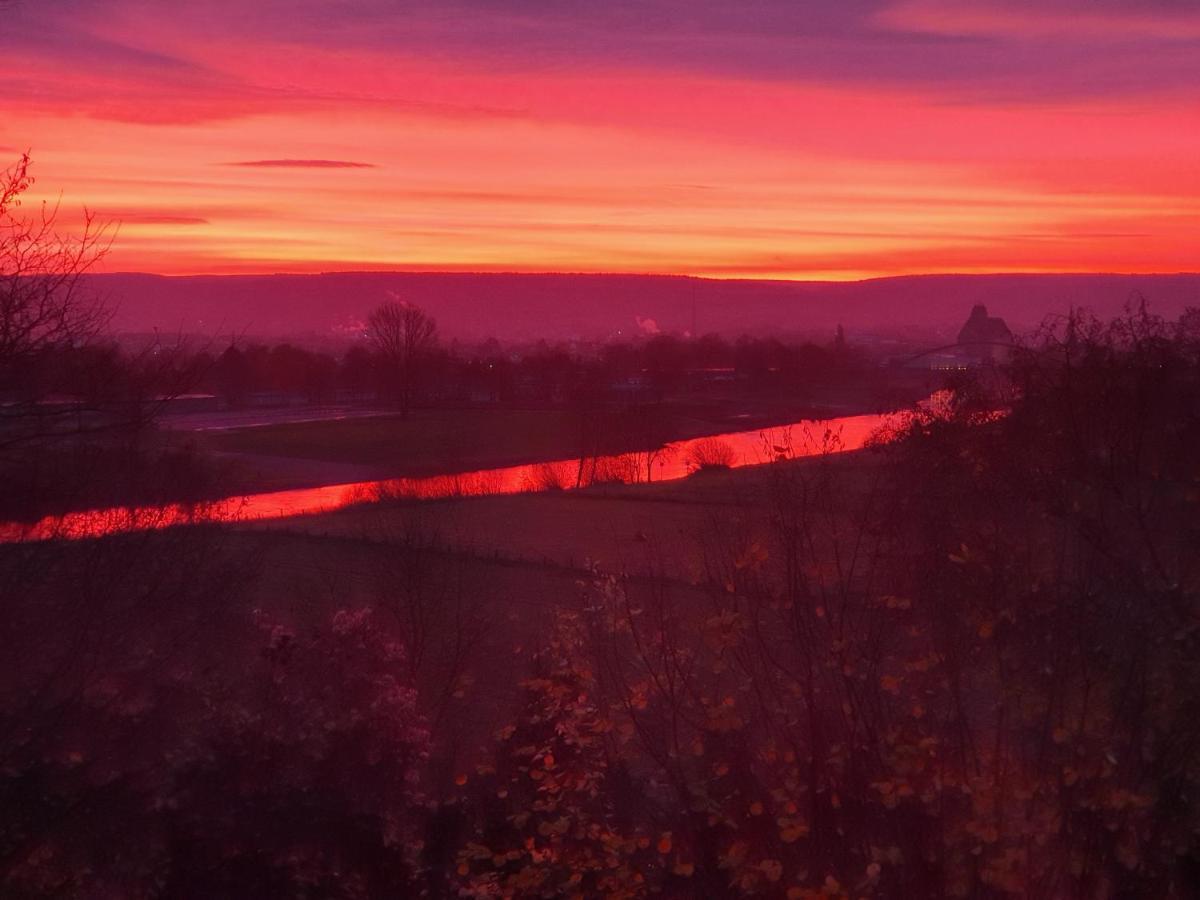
(302, 164)
(152, 219)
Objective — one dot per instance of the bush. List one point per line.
(709, 453)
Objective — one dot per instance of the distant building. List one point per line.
(983, 340)
(984, 337)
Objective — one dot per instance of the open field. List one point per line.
(261, 417)
(444, 441)
(429, 441)
(658, 528)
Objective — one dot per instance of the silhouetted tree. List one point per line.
(233, 376)
(358, 370)
(43, 304)
(45, 308)
(404, 335)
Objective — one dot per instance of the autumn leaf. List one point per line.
(792, 830)
(772, 869)
(735, 855)
(723, 631)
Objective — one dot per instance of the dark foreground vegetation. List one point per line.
(966, 666)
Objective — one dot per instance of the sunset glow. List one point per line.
(825, 141)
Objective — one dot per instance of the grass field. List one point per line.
(646, 528)
(429, 441)
(434, 442)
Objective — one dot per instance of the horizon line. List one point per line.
(661, 275)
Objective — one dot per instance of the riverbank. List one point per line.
(298, 455)
(676, 460)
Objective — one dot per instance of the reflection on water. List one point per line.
(676, 460)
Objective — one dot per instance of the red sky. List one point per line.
(763, 138)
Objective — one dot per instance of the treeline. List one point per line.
(104, 374)
(243, 374)
(78, 409)
(963, 664)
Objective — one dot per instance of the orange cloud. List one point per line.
(302, 164)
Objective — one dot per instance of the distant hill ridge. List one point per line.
(559, 306)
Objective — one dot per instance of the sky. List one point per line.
(835, 139)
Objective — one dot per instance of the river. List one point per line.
(677, 460)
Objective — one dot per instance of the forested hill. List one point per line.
(556, 306)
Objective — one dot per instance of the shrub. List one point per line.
(710, 453)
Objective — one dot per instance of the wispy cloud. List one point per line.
(1066, 19)
(150, 219)
(303, 164)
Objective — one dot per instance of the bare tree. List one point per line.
(44, 306)
(75, 407)
(46, 309)
(404, 335)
